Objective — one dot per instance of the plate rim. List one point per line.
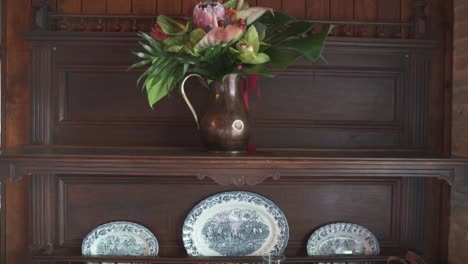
(187, 239)
(145, 229)
(373, 237)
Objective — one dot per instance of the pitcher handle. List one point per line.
(187, 101)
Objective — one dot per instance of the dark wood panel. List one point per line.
(318, 9)
(94, 6)
(389, 10)
(170, 7)
(295, 8)
(187, 7)
(119, 7)
(275, 4)
(15, 19)
(321, 97)
(69, 6)
(343, 10)
(144, 7)
(94, 100)
(153, 204)
(365, 10)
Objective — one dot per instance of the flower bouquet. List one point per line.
(221, 44)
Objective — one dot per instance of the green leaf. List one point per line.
(196, 35)
(156, 93)
(171, 27)
(310, 47)
(293, 30)
(155, 44)
(232, 4)
(140, 64)
(142, 55)
(280, 59)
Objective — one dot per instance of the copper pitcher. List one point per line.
(226, 125)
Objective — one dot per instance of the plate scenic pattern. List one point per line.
(120, 239)
(235, 224)
(342, 239)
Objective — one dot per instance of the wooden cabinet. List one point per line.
(357, 139)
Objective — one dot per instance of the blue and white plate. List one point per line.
(235, 224)
(120, 239)
(342, 239)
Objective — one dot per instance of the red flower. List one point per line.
(158, 34)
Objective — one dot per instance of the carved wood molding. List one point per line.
(239, 178)
(232, 170)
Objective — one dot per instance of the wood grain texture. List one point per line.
(389, 10)
(295, 8)
(318, 9)
(187, 7)
(119, 7)
(16, 106)
(144, 7)
(69, 6)
(365, 10)
(382, 102)
(170, 7)
(342, 9)
(275, 4)
(94, 6)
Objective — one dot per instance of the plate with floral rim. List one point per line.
(122, 239)
(342, 239)
(235, 224)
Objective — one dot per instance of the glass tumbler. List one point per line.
(273, 259)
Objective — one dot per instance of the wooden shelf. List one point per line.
(246, 169)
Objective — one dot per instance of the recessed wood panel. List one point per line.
(159, 205)
(328, 97)
(360, 98)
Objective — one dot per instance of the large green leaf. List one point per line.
(310, 47)
(293, 30)
(280, 59)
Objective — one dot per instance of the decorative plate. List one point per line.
(120, 239)
(235, 224)
(342, 239)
